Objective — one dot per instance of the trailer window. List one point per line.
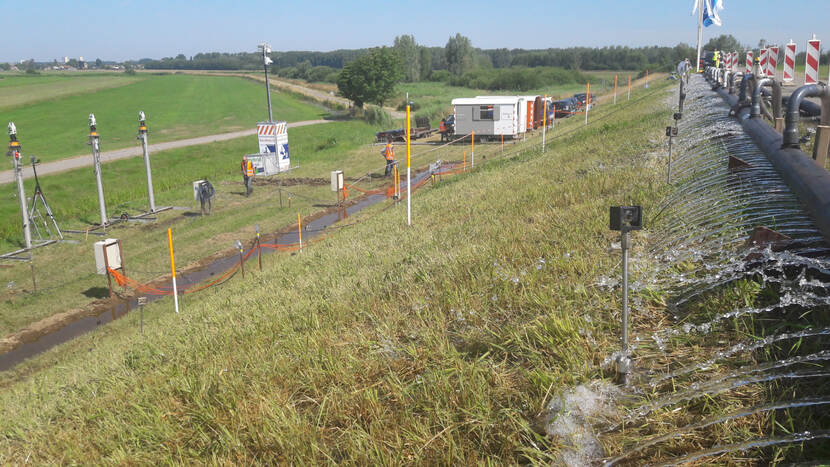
(485, 112)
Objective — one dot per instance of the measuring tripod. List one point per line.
(34, 213)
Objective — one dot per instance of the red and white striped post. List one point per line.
(763, 61)
(789, 62)
(749, 55)
(811, 71)
(736, 58)
(772, 61)
(727, 61)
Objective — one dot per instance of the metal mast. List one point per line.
(14, 152)
(699, 31)
(266, 60)
(142, 135)
(96, 158)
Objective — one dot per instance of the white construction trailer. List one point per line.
(487, 116)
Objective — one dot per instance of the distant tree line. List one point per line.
(458, 56)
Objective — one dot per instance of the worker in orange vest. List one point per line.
(442, 128)
(247, 175)
(389, 153)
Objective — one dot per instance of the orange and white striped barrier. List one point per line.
(762, 62)
(789, 62)
(811, 71)
(749, 55)
(772, 61)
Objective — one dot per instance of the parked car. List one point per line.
(564, 108)
(581, 97)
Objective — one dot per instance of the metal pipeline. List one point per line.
(757, 100)
(808, 108)
(731, 82)
(806, 178)
(793, 108)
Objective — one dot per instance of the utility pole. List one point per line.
(266, 60)
(699, 31)
(96, 158)
(14, 152)
(142, 135)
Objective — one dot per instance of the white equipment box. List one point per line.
(336, 180)
(196, 189)
(112, 249)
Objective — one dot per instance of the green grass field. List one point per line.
(17, 90)
(382, 344)
(177, 107)
(72, 196)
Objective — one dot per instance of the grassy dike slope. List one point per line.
(438, 343)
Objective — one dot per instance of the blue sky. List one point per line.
(128, 29)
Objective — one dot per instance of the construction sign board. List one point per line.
(273, 154)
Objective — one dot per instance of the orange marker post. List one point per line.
(615, 89)
(473, 150)
(300, 230)
(553, 117)
(173, 269)
(587, 100)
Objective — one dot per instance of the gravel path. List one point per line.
(85, 160)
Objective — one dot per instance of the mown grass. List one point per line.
(177, 107)
(438, 343)
(65, 273)
(16, 90)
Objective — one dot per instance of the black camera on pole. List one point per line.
(626, 218)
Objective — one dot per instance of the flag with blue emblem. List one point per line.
(710, 11)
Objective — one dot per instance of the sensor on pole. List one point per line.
(94, 141)
(14, 152)
(624, 219)
(266, 60)
(142, 135)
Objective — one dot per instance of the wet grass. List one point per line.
(177, 107)
(438, 343)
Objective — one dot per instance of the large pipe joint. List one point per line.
(791, 138)
(756, 96)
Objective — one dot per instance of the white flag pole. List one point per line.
(699, 31)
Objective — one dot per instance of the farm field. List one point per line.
(177, 106)
(19, 89)
(474, 317)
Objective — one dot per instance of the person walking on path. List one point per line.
(247, 175)
(389, 153)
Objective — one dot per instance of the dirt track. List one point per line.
(7, 176)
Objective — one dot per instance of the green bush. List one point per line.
(518, 79)
(376, 116)
(440, 76)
